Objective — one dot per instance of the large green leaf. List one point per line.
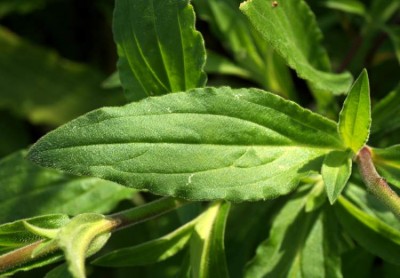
(159, 49)
(246, 45)
(290, 28)
(149, 252)
(371, 233)
(209, 143)
(336, 171)
(207, 247)
(27, 190)
(355, 117)
(388, 163)
(300, 244)
(46, 89)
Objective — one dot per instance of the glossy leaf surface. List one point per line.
(159, 49)
(290, 28)
(242, 144)
(355, 117)
(336, 171)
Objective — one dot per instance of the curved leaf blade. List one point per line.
(83, 236)
(149, 252)
(387, 161)
(209, 143)
(355, 117)
(336, 171)
(159, 49)
(207, 249)
(47, 191)
(291, 29)
(371, 233)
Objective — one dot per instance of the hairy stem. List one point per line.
(117, 221)
(375, 183)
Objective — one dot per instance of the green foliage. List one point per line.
(148, 34)
(273, 165)
(355, 117)
(230, 153)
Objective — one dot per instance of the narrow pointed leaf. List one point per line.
(371, 233)
(149, 252)
(15, 234)
(246, 46)
(83, 236)
(299, 244)
(159, 49)
(348, 6)
(290, 28)
(47, 191)
(387, 161)
(208, 143)
(207, 247)
(355, 117)
(386, 115)
(336, 171)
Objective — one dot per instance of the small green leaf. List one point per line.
(60, 271)
(336, 171)
(355, 117)
(207, 250)
(16, 234)
(371, 233)
(290, 28)
(83, 236)
(348, 6)
(43, 232)
(218, 64)
(47, 191)
(242, 144)
(159, 49)
(394, 35)
(149, 252)
(387, 161)
(386, 115)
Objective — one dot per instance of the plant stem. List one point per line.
(145, 212)
(375, 183)
(117, 221)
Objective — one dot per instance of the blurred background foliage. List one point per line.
(55, 56)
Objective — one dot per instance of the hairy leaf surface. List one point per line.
(159, 49)
(336, 171)
(27, 190)
(290, 28)
(355, 117)
(209, 143)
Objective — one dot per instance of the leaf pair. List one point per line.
(354, 125)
